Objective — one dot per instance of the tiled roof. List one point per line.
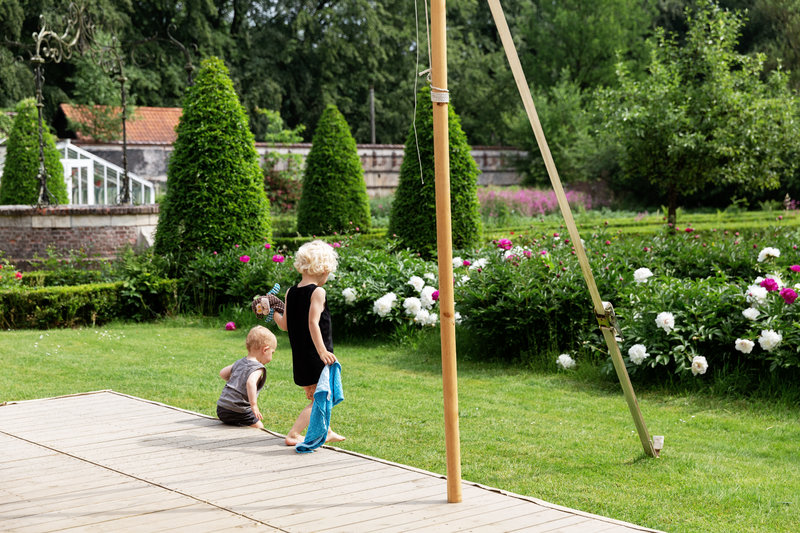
(148, 125)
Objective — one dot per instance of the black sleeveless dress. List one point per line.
(306, 364)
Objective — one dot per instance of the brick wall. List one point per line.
(97, 231)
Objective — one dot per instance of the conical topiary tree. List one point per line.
(215, 193)
(20, 182)
(413, 217)
(334, 196)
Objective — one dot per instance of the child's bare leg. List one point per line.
(334, 437)
(295, 434)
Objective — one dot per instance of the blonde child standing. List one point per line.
(308, 321)
(238, 402)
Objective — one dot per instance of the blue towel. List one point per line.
(328, 394)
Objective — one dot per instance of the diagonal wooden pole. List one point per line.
(444, 238)
(603, 310)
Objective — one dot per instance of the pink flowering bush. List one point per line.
(526, 202)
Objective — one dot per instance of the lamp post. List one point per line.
(51, 46)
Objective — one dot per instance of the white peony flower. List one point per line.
(349, 295)
(384, 304)
(756, 294)
(565, 361)
(426, 318)
(479, 263)
(750, 313)
(416, 282)
(458, 262)
(638, 353)
(699, 365)
(412, 305)
(769, 339)
(430, 276)
(426, 296)
(744, 345)
(641, 275)
(666, 321)
(462, 280)
(768, 253)
(457, 317)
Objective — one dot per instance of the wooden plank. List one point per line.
(138, 457)
(474, 504)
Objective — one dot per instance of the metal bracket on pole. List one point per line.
(608, 320)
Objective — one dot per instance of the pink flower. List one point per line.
(244, 258)
(215, 253)
(336, 245)
(608, 242)
(769, 284)
(435, 294)
(505, 244)
(527, 253)
(788, 295)
(689, 230)
(267, 246)
(555, 234)
(230, 326)
(235, 245)
(18, 275)
(466, 262)
(795, 268)
(543, 252)
(278, 258)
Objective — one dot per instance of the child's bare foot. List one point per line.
(292, 440)
(334, 437)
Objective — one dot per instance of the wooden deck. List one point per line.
(104, 461)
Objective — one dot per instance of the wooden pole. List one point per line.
(603, 313)
(441, 153)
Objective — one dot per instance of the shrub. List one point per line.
(20, 183)
(81, 305)
(215, 196)
(334, 197)
(413, 218)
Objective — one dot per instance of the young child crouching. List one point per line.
(238, 403)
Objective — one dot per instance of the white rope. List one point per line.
(426, 71)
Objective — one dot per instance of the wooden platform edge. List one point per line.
(523, 497)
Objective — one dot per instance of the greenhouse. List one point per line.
(92, 180)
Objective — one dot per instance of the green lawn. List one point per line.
(728, 465)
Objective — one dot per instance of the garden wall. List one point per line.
(381, 162)
(98, 231)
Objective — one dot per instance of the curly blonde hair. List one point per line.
(316, 257)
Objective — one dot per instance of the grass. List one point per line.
(568, 438)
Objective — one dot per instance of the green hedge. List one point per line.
(83, 305)
(56, 278)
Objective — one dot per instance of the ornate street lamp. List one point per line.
(53, 47)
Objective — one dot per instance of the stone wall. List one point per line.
(98, 231)
(381, 162)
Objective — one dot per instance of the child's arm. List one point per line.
(314, 312)
(280, 319)
(252, 391)
(225, 373)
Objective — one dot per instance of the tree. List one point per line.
(20, 183)
(702, 114)
(413, 217)
(583, 37)
(215, 194)
(334, 197)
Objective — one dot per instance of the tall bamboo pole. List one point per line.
(441, 153)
